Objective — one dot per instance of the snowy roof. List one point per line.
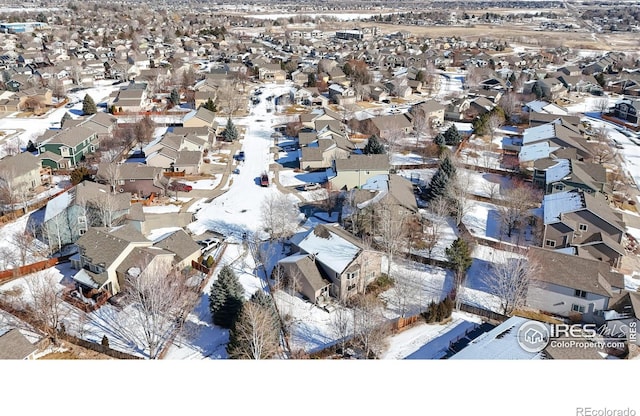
(501, 343)
(560, 170)
(86, 279)
(536, 151)
(541, 132)
(332, 250)
(57, 205)
(557, 204)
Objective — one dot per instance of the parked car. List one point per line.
(208, 244)
(264, 179)
(311, 186)
(240, 156)
(236, 171)
(179, 186)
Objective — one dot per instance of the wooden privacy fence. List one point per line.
(11, 274)
(493, 316)
(401, 323)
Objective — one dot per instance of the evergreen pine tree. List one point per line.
(447, 167)
(174, 97)
(88, 105)
(31, 147)
(537, 91)
(230, 132)
(64, 119)
(226, 298)
(373, 146)
(439, 140)
(459, 255)
(437, 186)
(452, 136)
(210, 105)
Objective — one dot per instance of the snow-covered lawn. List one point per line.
(429, 341)
(483, 221)
(416, 286)
(489, 185)
(10, 252)
(205, 183)
(448, 234)
(406, 159)
(197, 205)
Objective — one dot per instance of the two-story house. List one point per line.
(330, 261)
(138, 179)
(66, 148)
(569, 285)
(583, 224)
(559, 175)
(88, 204)
(356, 170)
(20, 171)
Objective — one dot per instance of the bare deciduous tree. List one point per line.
(390, 228)
(279, 216)
(518, 200)
(370, 326)
(459, 189)
(46, 304)
(159, 298)
(341, 324)
(509, 278)
(254, 335)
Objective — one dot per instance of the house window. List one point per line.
(550, 243)
(351, 287)
(580, 293)
(582, 227)
(132, 180)
(121, 182)
(82, 231)
(558, 186)
(577, 308)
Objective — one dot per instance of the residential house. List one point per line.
(339, 258)
(356, 170)
(71, 144)
(569, 285)
(342, 95)
(433, 111)
(393, 192)
(456, 109)
(88, 204)
(627, 110)
(391, 126)
(272, 73)
(186, 250)
(200, 118)
(623, 318)
(540, 141)
(552, 88)
(15, 346)
(21, 171)
(138, 179)
(188, 161)
(560, 175)
(101, 253)
(131, 99)
(311, 281)
(583, 224)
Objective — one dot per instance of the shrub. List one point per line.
(380, 284)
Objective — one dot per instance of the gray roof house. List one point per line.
(356, 170)
(583, 224)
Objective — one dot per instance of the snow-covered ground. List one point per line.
(483, 221)
(161, 209)
(205, 183)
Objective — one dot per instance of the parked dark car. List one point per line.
(264, 179)
(179, 186)
(240, 156)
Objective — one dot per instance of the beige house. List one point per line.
(272, 73)
(356, 170)
(183, 246)
(330, 261)
(199, 118)
(390, 126)
(20, 171)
